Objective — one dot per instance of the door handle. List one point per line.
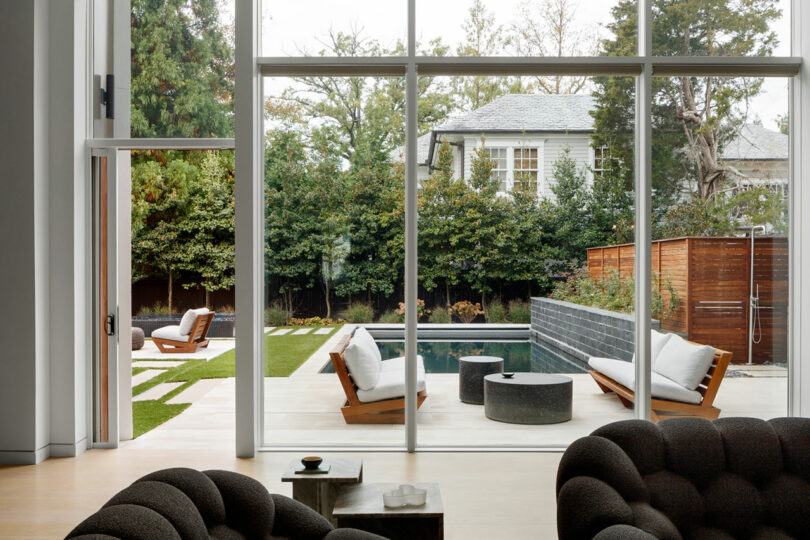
(109, 325)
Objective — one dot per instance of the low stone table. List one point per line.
(137, 338)
(319, 491)
(361, 506)
(528, 398)
(471, 373)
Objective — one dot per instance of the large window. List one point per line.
(471, 100)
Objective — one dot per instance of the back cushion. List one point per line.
(683, 362)
(363, 359)
(657, 342)
(187, 322)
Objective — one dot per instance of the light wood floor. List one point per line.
(485, 495)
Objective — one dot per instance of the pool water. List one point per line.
(525, 356)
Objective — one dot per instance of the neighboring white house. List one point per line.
(526, 133)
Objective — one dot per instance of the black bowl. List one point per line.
(507, 375)
(312, 462)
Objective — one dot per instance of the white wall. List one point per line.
(43, 277)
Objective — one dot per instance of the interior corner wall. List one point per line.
(24, 220)
(43, 215)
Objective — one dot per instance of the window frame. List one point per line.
(250, 68)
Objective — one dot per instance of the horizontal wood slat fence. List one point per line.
(713, 283)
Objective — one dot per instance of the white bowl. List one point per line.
(404, 495)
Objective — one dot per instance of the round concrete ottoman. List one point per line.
(471, 373)
(137, 338)
(528, 398)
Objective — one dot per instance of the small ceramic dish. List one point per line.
(312, 462)
(404, 495)
(507, 375)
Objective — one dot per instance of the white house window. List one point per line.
(498, 156)
(525, 166)
(601, 154)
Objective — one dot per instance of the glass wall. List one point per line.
(720, 233)
(333, 253)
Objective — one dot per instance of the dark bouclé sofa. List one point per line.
(687, 478)
(189, 504)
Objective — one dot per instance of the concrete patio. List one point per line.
(303, 410)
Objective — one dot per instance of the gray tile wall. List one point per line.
(583, 331)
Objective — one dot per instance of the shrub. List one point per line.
(615, 293)
(421, 310)
(519, 312)
(358, 312)
(467, 311)
(276, 315)
(391, 316)
(158, 308)
(440, 315)
(496, 312)
(312, 321)
(226, 309)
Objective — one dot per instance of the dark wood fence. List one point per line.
(712, 279)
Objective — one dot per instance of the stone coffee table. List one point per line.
(361, 506)
(471, 372)
(319, 491)
(528, 398)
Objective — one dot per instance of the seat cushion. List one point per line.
(398, 364)
(172, 333)
(661, 387)
(390, 385)
(363, 359)
(683, 362)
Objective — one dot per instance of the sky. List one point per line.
(292, 27)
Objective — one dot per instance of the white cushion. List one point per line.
(169, 332)
(189, 317)
(390, 385)
(683, 362)
(657, 342)
(398, 364)
(363, 359)
(662, 388)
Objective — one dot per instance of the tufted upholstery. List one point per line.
(188, 504)
(687, 478)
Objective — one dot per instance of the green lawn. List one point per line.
(282, 356)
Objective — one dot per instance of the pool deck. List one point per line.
(303, 410)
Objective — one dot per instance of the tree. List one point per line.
(207, 231)
(482, 37)
(159, 202)
(550, 28)
(363, 116)
(182, 70)
(692, 116)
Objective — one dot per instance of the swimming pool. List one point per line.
(522, 355)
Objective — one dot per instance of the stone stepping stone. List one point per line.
(195, 392)
(159, 364)
(158, 391)
(268, 329)
(323, 331)
(302, 332)
(144, 376)
(281, 331)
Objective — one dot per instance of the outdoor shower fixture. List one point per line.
(754, 321)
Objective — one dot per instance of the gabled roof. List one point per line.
(527, 112)
(756, 143)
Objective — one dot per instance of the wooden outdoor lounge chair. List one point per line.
(707, 388)
(386, 411)
(169, 339)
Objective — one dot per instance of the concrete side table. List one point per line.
(471, 373)
(137, 338)
(319, 491)
(528, 398)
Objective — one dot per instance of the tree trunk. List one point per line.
(170, 291)
(207, 298)
(447, 291)
(328, 304)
